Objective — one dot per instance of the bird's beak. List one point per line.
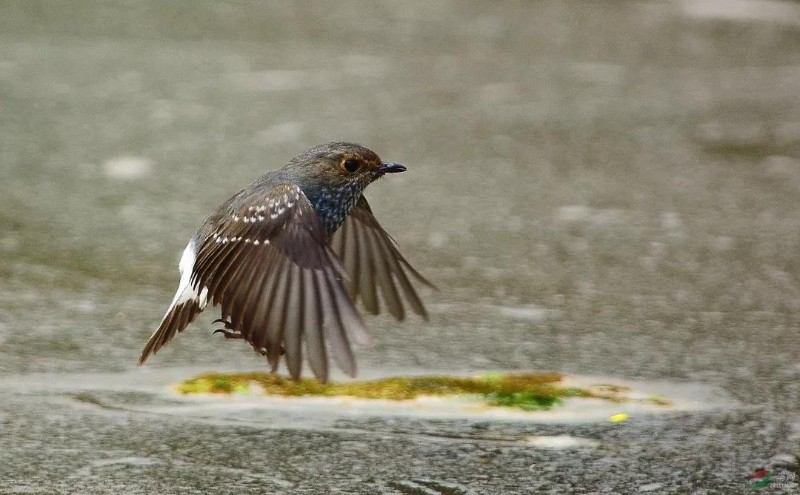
(391, 168)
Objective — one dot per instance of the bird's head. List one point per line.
(341, 165)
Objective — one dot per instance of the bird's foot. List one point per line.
(228, 331)
(229, 334)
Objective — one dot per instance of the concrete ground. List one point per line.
(605, 189)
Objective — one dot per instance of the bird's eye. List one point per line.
(351, 165)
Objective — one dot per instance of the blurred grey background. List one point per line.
(598, 188)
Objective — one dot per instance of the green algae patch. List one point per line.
(525, 391)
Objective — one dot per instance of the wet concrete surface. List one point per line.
(127, 433)
(606, 189)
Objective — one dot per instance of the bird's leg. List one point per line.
(229, 332)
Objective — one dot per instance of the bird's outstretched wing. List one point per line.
(268, 265)
(372, 260)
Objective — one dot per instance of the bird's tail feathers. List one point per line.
(184, 308)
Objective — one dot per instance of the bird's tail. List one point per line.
(185, 306)
(176, 320)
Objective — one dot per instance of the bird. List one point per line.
(287, 257)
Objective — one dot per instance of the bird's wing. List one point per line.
(372, 260)
(268, 265)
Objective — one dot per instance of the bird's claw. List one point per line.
(228, 331)
(229, 334)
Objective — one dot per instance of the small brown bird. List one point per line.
(287, 256)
